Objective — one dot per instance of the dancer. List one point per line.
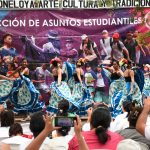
(146, 90)
(101, 94)
(41, 74)
(59, 88)
(117, 87)
(21, 92)
(11, 69)
(132, 91)
(24, 69)
(80, 93)
(90, 78)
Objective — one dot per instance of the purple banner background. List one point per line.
(40, 33)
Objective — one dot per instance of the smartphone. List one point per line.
(63, 121)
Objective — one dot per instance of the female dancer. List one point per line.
(116, 87)
(24, 69)
(59, 88)
(146, 90)
(132, 91)
(22, 93)
(11, 69)
(80, 93)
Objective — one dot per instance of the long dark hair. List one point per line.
(100, 120)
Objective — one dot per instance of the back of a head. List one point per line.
(37, 123)
(63, 131)
(7, 118)
(63, 107)
(134, 115)
(100, 105)
(128, 106)
(100, 120)
(15, 129)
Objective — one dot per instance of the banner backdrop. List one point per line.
(40, 35)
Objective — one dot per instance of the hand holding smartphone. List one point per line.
(63, 121)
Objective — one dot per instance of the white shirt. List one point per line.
(88, 78)
(120, 123)
(4, 133)
(106, 48)
(58, 143)
(100, 80)
(17, 142)
(41, 75)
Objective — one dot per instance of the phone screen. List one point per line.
(64, 121)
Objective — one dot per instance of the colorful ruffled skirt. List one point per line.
(146, 89)
(22, 94)
(59, 93)
(83, 99)
(116, 92)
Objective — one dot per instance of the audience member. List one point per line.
(98, 137)
(16, 140)
(86, 126)
(7, 119)
(129, 144)
(15, 130)
(37, 142)
(131, 132)
(121, 121)
(141, 125)
(37, 123)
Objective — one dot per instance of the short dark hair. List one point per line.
(63, 131)
(7, 118)
(37, 123)
(134, 115)
(5, 36)
(128, 106)
(100, 120)
(15, 129)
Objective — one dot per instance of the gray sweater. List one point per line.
(132, 133)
